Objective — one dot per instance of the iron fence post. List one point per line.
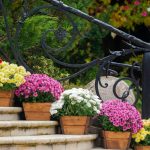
(146, 86)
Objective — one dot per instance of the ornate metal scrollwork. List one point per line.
(125, 94)
(60, 33)
(104, 69)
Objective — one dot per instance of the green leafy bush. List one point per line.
(33, 29)
(131, 61)
(41, 64)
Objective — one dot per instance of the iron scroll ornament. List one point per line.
(104, 69)
(60, 33)
(134, 85)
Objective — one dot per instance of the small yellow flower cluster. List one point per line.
(12, 74)
(141, 134)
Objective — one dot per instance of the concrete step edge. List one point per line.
(26, 124)
(101, 148)
(45, 139)
(10, 110)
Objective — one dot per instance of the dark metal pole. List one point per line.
(146, 86)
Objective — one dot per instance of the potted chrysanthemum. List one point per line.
(118, 120)
(75, 107)
(11, 77)
(37, 94)
(141, 139)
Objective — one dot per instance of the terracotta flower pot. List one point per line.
(6, 98)
(116, 140)
(74, 124)
(141, 147)
(37, 111)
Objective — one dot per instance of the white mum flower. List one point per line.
(92, 101)
(95, 108)
(85, 100)
(53, 104)
(73, 102)
(98, 101)
(73, 95)
(67, 92)
(95, 97)
(88, 104)
(100, 106)
(77, 95)
(88, 96)
(57, 105)
(79, 99)
(148, 9)
(98, 111)
(61, 97)
(53, 112)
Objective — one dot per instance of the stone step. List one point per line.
(48, 142)
(10, 113)
(100, 148)
(26, 128)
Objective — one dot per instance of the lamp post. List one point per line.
(146, 86)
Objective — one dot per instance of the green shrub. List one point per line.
(32, 31)
(131, 61)
(41, 64)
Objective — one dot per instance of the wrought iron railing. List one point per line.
(104, 64)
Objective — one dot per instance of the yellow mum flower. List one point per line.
(142, 134)
(3, 64)
(134, 136)
(137, 140)
(12, 74)
(2, 74)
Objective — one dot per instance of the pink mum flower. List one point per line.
(122, 114)
(39, 83)
(144, 13)
(137, 3)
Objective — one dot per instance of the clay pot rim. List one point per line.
(142, 145)
(116, 131)
(75, 116)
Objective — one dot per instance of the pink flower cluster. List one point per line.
(144, 13)
(39, 83)
(122, 114)
(136, 2)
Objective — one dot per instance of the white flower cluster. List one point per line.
(148, 9)
(78, 95)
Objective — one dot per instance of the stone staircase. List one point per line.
(10, 113)
(17, 134)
